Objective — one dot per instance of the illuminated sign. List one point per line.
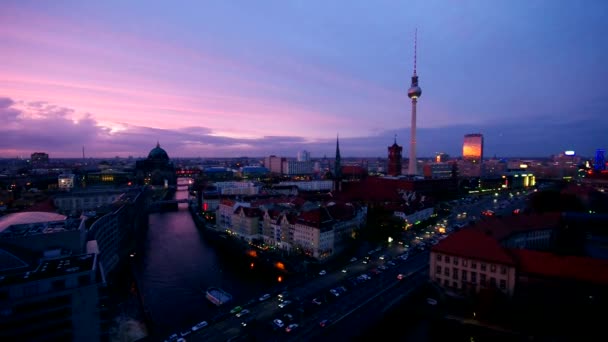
(523, 166)
(569, 153)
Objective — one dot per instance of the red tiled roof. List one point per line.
(249, 212)
(502, 227)
(566, 267)
(472, 243)
(227, 202)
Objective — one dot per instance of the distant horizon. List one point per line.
(262, 157)
(221, 79)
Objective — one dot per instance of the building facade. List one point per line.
(394, 159)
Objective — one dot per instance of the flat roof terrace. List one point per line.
(36, 228)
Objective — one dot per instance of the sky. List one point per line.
(272, 77)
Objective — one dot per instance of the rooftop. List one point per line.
(55, 224)
(28, 217)
(502, 227)
(52, 268)
(472, 243)
(565, 267)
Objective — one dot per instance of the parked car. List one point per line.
(264, 297)
(322, 273)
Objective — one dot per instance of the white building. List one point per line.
(292, 167)
(316, 185)
(303, 156)
(238, 188)
(66, 181)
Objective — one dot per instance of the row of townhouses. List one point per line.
(293, 224)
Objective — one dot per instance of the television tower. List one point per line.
(414, 93)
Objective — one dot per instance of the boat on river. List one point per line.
(218, 296)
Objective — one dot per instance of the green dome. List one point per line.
(158, 153)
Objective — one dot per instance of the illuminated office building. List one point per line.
(472, 149)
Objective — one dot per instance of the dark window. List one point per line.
(492, 281)
(455, 261)
(482, 279)
(438, 257)
(464, 275)
(474, 277)
(473, 265)
(455, 285)
(464, 262)
(447, 258)
(446, 271)
(59, 284)
(483, 267)
(503, 284)
(438, 269)
(84, 280)
(493, 268)
(455, 273)
(503, 270)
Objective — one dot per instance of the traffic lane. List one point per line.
(360, 320)
(332, 310)
(263, 311)
(356, 297)
(268, 310)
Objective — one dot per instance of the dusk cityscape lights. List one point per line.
(217, 171)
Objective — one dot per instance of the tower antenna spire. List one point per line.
(415, 49)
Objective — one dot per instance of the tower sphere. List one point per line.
(414, 92)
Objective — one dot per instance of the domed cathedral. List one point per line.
(156, 169)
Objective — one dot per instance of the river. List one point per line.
(177, 264)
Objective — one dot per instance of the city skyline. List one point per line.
(221, 80)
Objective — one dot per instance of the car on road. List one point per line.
(264, 297)
(317, 301)
(284, 304)
(353, 259)
(200, 325)
(344, 270)
(400, 276)
(242, 313)
(431, 301)
(291, 327)
(322, 273)
(324, 323)
(185, 333)
(288, 317)
(236, 309)
(277, 322)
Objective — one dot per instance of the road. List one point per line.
(308, 315)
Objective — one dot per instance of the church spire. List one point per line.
(338, 162)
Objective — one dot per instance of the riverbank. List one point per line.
(125, 316)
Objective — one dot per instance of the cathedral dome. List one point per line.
(158, 153)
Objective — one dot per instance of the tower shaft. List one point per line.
(412, 166)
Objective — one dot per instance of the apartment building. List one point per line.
(55, 300)
(469, 260)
